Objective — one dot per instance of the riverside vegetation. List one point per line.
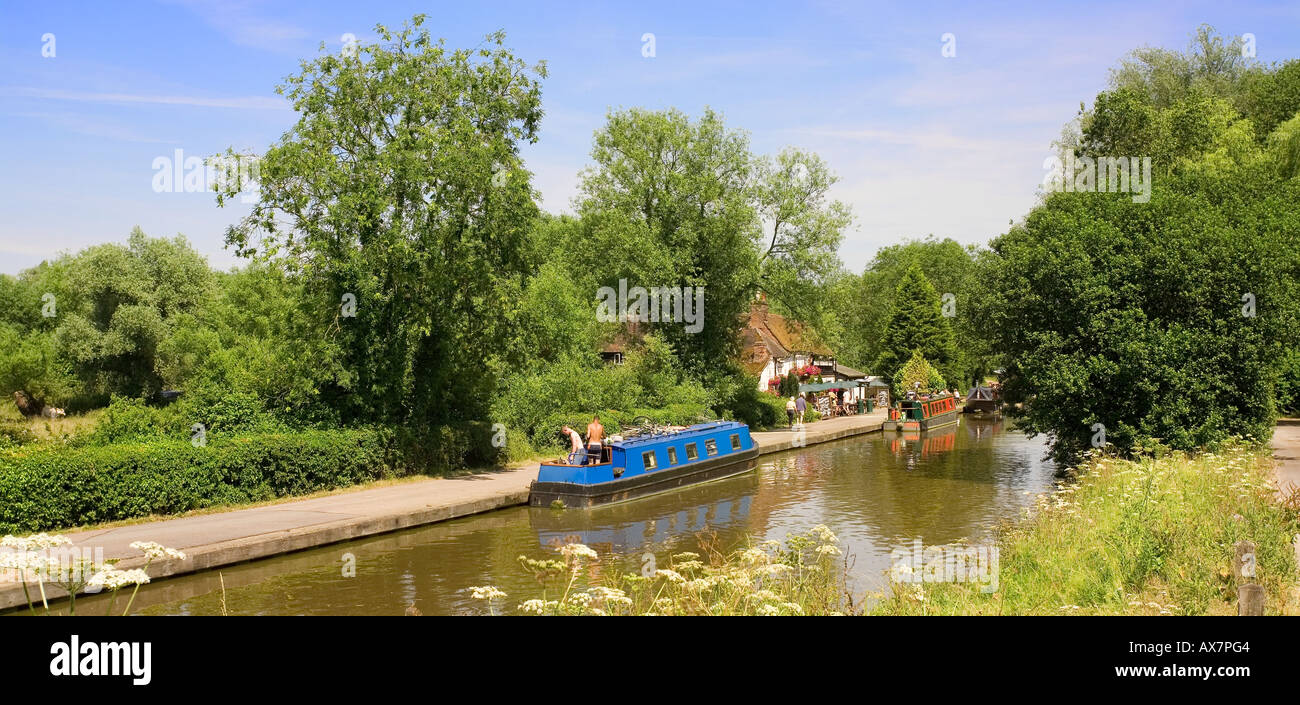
(1148, 536)
(1151, 536)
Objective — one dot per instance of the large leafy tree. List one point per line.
(916, 324)
(800, 233)
(400, 190)
(1167, 321)
(116, 305)
(671, 201)
(667, 204)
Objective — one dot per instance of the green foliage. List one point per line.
(916, 325)
(863, 304)
(1288, 384)
(128, 419)
(1131, 315)
(918, 375)
(1163, 321)
(62, 487)
(401, 186)
(539, 402)
(1142, 537)
(667, 204)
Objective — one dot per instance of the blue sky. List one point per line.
(922, 143)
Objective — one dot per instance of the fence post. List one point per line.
(1250, 600)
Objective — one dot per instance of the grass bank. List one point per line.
(1153, 536)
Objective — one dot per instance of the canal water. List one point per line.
(877, 492)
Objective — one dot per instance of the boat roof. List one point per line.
(697, 429)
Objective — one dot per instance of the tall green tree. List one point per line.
(863, 302)
(916, 325)
(801, 229)
(399, 200)
(1163, 322)
(667, 204)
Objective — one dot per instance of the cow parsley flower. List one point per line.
(672, 575)
(577, 550)
(486, 592)
(35, 542)
(155, 550)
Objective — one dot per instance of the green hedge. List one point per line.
(54, 488)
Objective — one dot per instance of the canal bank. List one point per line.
(225, 538)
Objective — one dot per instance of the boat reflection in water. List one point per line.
(623, 528)
(916, 446)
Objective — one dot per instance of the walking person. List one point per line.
(790, 412)
(800, 406)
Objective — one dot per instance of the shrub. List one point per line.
(57, 487)
(128, 419)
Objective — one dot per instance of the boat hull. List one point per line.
(936, 421)
(574, 496)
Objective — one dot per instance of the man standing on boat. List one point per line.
(595, 434)
(577, 453)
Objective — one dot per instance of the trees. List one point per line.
(672, 201)
(667, 204)
(400, 190)
(118, 305)
(800, 232)
(916, 325)
(1160, 321)
(1165, 322)
(863, 302)
(919, 375)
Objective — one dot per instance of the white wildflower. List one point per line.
(486, 592)
(35, 542)
(157, 550)
(577, 550)
(672, 575)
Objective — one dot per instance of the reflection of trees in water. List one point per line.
(938, 488)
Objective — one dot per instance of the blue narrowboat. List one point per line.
(647, 464)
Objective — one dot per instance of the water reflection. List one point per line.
(876, 492)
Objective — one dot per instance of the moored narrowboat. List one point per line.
(647, 464)
(922, 413)
(983, 400)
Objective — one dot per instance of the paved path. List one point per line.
(1286, 450)
(238, 535)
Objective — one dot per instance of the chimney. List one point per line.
(758, 309)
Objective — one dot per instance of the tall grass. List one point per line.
(1152, 536)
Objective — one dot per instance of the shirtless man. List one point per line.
(595, 434)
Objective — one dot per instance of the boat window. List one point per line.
(672, 455)
(692, 452)
(648, 458)
(735, 441)
(711, 446)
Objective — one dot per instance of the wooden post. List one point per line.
(1250, 600)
